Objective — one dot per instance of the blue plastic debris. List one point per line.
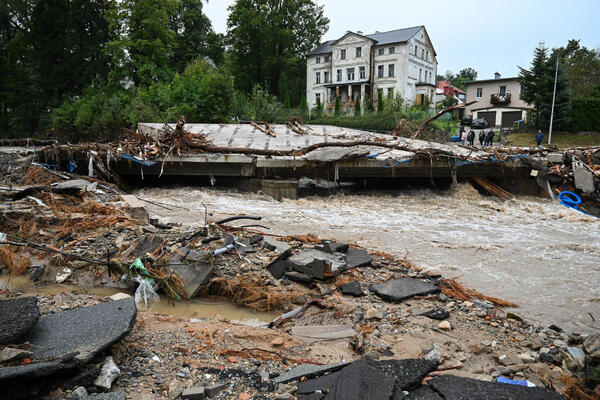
(502, 379)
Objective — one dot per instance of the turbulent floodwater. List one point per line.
(538, 254)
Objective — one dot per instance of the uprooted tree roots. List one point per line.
(254, 293)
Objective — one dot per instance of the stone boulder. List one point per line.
(398, 290)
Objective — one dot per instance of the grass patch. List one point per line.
(559, 139)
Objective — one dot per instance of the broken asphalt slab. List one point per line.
(87, 330)
(308, 371)
(458, 388)
(332, 247)
(437, 314)
(25, 382)
(357, 258)
(370, 379)
(352, 288)
(398, 290)
(17, 316)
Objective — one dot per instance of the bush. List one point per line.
(357, 112)
(202, 93)
(380, 106)
(585, 114)
(337, 106)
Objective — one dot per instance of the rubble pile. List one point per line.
(352, 323)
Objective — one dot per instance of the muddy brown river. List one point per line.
(531, 251)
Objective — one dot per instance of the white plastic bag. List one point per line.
(145, 292)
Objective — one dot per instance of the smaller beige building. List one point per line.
(498, 101)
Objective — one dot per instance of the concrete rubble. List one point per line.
(347, 323)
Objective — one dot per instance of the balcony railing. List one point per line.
(497, 98)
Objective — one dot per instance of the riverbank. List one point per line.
(342, 303)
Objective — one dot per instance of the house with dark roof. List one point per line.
(401, 63)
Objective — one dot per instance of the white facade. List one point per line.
(401, 62)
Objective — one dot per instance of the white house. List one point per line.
(401, 61)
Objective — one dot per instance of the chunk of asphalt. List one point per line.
(193, 275)
(437, 313)
(31, 381)
(275, 245)
(398, 290)
(17, 317)
(357, 381)
(298, 277)
(278, 268)
(357, 258)
(86, 330)
(452, 387)
(352, 289)
(32, 371)
(332, 247)
(409, 372)
(308, 371)
(422, 393)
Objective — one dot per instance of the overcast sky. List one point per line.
(487, 35)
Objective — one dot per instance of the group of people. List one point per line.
(486, 138)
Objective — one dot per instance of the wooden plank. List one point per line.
(492, 188)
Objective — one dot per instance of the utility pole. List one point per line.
(553, 100)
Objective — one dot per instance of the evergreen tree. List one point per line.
(357, 107)
(537, 87)
(337, 109)
(319, 108)
(368, 103)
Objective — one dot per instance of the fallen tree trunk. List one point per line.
(436, 116)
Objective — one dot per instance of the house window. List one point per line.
(350, 72)
(318, 77)
(381, 52)
(391, 70)
(326, 58)
(416, 50)
(343, 54)
(326, 77)
(358, 52)
(318, 60)
(390, 93)
(318, 97)
(391, 50)
(427, 55)
(339, 75)
(380, 71)
(420, 74)
(361, 73)
(422, 53)
(502, 90)
(479, 92)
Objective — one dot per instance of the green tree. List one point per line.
(268, 37)
(194, 35)
(368, 103)
(144, 41)
(465, 75)
(337, 109)
(357, 112)
(537, 86)
(582, 67)
(319, 108)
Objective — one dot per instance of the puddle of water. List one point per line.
(533, 252)
(194, 309)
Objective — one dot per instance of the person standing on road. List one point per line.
(471, 137)
(481, 138)
(539, 138)
(463, 137)
(490, 137)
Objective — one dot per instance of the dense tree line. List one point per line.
(577, 103)
(83, 69)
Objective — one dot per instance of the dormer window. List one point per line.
(342, 54)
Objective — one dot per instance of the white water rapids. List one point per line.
(538, 254)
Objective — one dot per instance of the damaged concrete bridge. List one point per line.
(338, 154)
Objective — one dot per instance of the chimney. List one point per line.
(377, 32)
(359, 32)
(497, 75)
